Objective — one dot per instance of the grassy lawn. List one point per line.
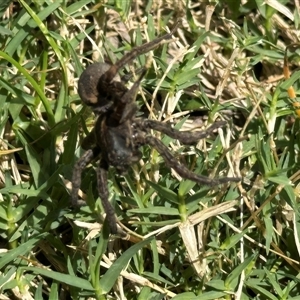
(185, 241)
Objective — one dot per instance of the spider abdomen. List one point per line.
(93, 90)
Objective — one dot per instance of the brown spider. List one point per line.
(118, 134)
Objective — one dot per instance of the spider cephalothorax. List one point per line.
(118, 134)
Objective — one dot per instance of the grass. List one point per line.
(234, 241)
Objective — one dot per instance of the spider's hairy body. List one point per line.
(118, 134)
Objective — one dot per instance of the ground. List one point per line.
(185, 241)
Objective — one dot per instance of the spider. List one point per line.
(118, 133)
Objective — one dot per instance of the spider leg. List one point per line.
(180, 168)
(130, 94)
(125, 78)
(129, 108)
(184, 137)
(103, 193)
(111, 73)
(85, 159)
(89, 141)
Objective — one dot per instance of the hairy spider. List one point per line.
(118, 134)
